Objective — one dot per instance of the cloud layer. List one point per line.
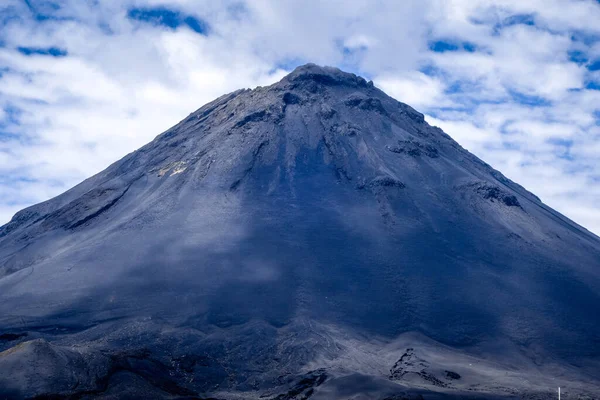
(82, 83)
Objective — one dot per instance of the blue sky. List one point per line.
(83, 83)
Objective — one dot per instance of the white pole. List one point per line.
(559, 393)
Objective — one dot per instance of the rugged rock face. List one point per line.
(311, 239)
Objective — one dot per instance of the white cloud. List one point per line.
(415, 88)
(467, 133)
(359, 42)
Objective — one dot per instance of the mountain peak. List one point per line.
(325, 75)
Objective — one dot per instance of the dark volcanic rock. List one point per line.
(382, 182)
(291, 98)
(305, 388)
(294, 241)
(362, 102)
(452, 375)
(12, 336)
(414, 148)
(494, 193)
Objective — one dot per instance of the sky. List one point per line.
(517, 83)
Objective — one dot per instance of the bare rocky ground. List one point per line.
(217, 364)
(312, 239)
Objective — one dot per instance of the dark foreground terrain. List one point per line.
(311, 239)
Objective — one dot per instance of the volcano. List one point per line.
(315, 238)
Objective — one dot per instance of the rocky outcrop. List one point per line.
(37, 368)
(414, 148)
(305, 387)
(494, 193)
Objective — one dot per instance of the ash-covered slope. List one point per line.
(314, 238)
